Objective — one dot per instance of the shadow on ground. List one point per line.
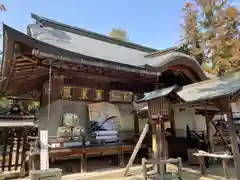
(99, 171)
(189, 173)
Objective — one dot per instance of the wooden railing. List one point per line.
(122, 138)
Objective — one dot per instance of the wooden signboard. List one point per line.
(66, 92)
(82, 93)
(85, 93)
(98, 94)
(120, 96)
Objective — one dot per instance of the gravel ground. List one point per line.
(189, 173)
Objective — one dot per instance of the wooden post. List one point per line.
(136, 149)
(162, 153)
(232, 133)
(136, 124)
(225, 167)
(158, 147)
(172, 121)
(153, 130)
(24, 149)
(144, 168)
(208, 119)
(121, 158)
(202, 165)
(44, 159)
(83, 161)
(210, 135)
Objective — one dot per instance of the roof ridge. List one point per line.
(91, 34)
(160, 52)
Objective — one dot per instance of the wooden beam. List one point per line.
(18, 90)
(22, 71)
(136, 149)
(7, 67)
(197, 105)
(23, 68)
(23, 61)
(31, 59)
(29, 67)
(73, 66)
(99, 77)
(33, 79)
(25, 65)
(19, 76)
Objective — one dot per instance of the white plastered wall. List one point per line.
(187, 116)
(59, 107)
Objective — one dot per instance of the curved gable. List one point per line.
(177, 61)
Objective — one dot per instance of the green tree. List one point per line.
(120, 34)
(211, 33)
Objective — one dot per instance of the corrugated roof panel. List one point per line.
(157, 93)
(211, 88)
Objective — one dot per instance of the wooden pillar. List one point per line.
(153, 131)
(83, 163)
(232, 133)
(58, 84)
(136, 124)
(158, 146)
(121, 158)
(162, 149)
(210, 134)
(172, 122)
(225, 167)
(24, 150)
(208, 119)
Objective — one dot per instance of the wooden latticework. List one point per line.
(160, 106)
(14, 149)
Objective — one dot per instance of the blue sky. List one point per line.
(154, 23)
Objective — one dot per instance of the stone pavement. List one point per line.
(189, 173)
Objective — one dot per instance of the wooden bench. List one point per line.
(224, 157)
(167, 175)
